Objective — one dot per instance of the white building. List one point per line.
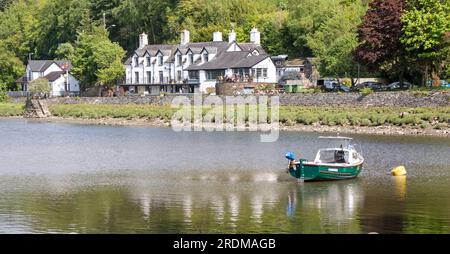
(55, 72)
(194, 67)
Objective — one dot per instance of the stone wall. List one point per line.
(404, 99)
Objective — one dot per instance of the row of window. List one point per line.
(150, 80)
(179, 60)
(210, 75)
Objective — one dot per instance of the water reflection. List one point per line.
(400, 187)
(100, 180)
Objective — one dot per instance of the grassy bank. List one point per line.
(11, 109)
(424, 118)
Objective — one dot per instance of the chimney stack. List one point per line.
(217, 36)
(143, 40)
(255, 36)
(232, 36)
(185, 37)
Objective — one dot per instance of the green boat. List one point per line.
(338, 163)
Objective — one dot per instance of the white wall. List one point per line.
(54, 67)
(58, 86)
(271, 71)
(207, 84)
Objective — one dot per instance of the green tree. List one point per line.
(11, 68)
(137, 16)
(426, 35)
(40, 85)
(16, 27)
(96, 60)
(203, 17)
(335, 39)
(58, 22)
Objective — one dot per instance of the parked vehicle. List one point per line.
(330, 86)
(444, 83)
(396, 86)
(335, 86)
(375, 86)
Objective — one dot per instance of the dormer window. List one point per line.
(148, 61)
(136, 61)
(205, 57)
(160, 60)
(191, 58)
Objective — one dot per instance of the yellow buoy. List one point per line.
(399, 171)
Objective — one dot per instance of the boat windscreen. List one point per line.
(333, 156)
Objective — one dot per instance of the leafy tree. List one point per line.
(425, 34)
(96, 60)
(11, 68)
(4, 4)
(203, 17)
(137, 16)
(58, 22)
(335, 39)
(40, 85)
(16, 27)
(379, 35)
(305, 18)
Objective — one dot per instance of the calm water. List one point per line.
(61, 178)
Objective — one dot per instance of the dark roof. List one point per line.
(52, 76)
(230, 60)
(222, 59)
(42, 65)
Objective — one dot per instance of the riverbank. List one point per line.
(317, 128)
(424, 121)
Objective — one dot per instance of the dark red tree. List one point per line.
(379, 35)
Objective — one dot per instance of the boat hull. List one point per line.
(318, 172)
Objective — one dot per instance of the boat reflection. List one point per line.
(333, 202)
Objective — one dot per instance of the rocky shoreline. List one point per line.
(373, 130)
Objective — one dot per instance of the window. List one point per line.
(179, 78)
(205, 57)
(264, 72)
(136, 61)
(149, 77)
(193, 75)
(258, 72)
(136, 77)
(161, 77)
(179, 60)
(212, 75)
(148, 61)
(160, 60)
(191, 58)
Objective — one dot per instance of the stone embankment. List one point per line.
(36, 109)
(380, 99)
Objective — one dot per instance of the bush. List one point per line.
(39, 86)
(3, 93)
(366, 91)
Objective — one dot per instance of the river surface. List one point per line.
(63, 178)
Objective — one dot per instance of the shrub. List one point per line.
(425, 125)
(366, 91)
(40, 85)
(3, 93)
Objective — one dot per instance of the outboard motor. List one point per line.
(291, 157)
